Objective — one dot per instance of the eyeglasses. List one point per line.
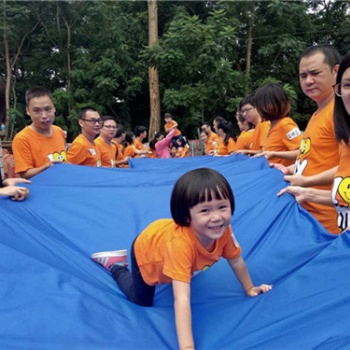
(342, 89)
(93, 121)
(39, 111)
(109, 126)
(246, 110)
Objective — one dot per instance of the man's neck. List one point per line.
(89, 137)
(45, 132)
(322, 104)
(108, 141)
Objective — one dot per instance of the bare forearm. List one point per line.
(290, 155)
(240, 270)
(34, 171)
(322, 179)
(318, 196)
(183, 321)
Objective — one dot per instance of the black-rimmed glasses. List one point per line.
(93, 121)
(342, 89)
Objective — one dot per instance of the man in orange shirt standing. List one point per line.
(108, 149)
(41, 144)
(318, 156)
(83, 150)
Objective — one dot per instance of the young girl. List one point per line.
(174, 250)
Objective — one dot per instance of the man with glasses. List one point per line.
(261, 128)
(83, 150)
(108, 149)
(318, 156)
(41, 144)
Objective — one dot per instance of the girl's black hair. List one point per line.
(227, 128)
(198, 186)
(341, 116)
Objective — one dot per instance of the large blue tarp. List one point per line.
(54, 297)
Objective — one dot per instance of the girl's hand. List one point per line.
(14, 181)
(254, 291)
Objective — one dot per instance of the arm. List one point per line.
(14, 181)
(34, 171)
(183, 317)
(291, 155)
(305, 194)
(239, 268)
(320, 179)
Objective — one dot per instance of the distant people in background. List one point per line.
(140, 135)
(41, 144)
(212, 143)
(83, 150)
(120, 160)
(208, 146)
(245, 139)
(171, 124)
(180, 151)
(108, 149)
(250, 113)
(284, 137)
(226, 143)
(162, 144)
(130, 149)
(7, 186)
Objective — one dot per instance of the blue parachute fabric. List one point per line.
(54, 297)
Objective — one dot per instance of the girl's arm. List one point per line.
(239, 268)
(183, 316)
(291, 155)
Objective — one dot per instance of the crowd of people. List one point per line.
(309, 160)
(313, 162)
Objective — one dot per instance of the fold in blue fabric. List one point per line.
(53, 296)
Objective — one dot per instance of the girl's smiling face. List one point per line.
(210, 219)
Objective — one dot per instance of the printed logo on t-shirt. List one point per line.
(235, 240)
(92, 151)
(195, 273)
(293, 134)
(58, 157)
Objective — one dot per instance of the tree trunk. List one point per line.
(153, 72)
(249, 54)
(8, 64)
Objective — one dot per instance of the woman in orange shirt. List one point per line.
(227, 138)
(284, 137)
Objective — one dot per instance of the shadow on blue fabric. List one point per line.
(54, 297)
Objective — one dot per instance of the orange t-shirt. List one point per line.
(138, 144)
(33, 150)
(107, 152)
(83, 152)
(283, 136)
(169, 125)
(245, 140)
(341, 188)
(212, 144)
(166, 251)
(129, 151)
(318, 152)
(224, 150)
(260, 135)
(120, 155)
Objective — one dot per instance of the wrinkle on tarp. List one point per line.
(54, 297)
